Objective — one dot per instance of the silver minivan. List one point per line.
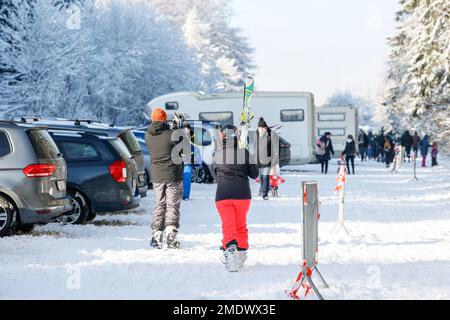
(33, 178)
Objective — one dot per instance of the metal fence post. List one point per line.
(310, 245)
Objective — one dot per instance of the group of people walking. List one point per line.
(232, 168)
(381, 147)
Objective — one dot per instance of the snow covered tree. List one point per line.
(419, 68)
(224, 54)
(39, 52)
(133, 57)
(119, 57)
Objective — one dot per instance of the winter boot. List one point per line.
(157, 239)
(223, 256)
(231, 261)
(241, 258)
(171, 237)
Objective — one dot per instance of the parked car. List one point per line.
(125, 134)
(285, 148)
(33, 178)
(285, 152)
(101, 174)
(147, 162)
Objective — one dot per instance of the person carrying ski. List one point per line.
(266, 157)
(350, 153)
(407, 143)
(232, 168)
(167, 178)
(424, 148)
(434, 154)
(324, 150)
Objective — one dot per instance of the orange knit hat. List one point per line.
(159, 115)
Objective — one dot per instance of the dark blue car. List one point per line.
(101, 174)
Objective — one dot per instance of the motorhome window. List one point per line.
(292, 115)
(331, 116)
(171, 105)
(335, 132)
(5, 147)
(224, 118)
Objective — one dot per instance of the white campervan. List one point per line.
(340, 121)
(292, 112)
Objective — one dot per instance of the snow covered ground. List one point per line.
(399, 246)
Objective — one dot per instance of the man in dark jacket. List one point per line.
(232, 169)
(266, 154)
(326, 144)
(363, 144)
(407, 142)
(416, 142)
(167, 178)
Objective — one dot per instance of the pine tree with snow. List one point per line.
(418, 92)
(225, 55)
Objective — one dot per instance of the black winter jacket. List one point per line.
(232, 178)
(350, 149)
(160, 146)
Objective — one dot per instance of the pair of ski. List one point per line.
(246, 114)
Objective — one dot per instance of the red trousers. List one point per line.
(233, 214)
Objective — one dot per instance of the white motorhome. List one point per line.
(340, 121)
(292, 112)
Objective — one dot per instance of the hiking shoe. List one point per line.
(171, 237)
(241, 258)
(157, 240)
(231, 262)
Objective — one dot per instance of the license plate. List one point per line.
(61, 185)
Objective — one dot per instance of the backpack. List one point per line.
(320, 148)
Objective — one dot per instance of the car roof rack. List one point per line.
(80, 132)
(78, 122)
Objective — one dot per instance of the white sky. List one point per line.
(320, 46)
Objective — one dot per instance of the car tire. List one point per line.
(24, 228)
(198, 175)
(80, 210)
(7, 217)
(91, 216)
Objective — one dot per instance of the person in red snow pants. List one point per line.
(233, 214)
(232, 169)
